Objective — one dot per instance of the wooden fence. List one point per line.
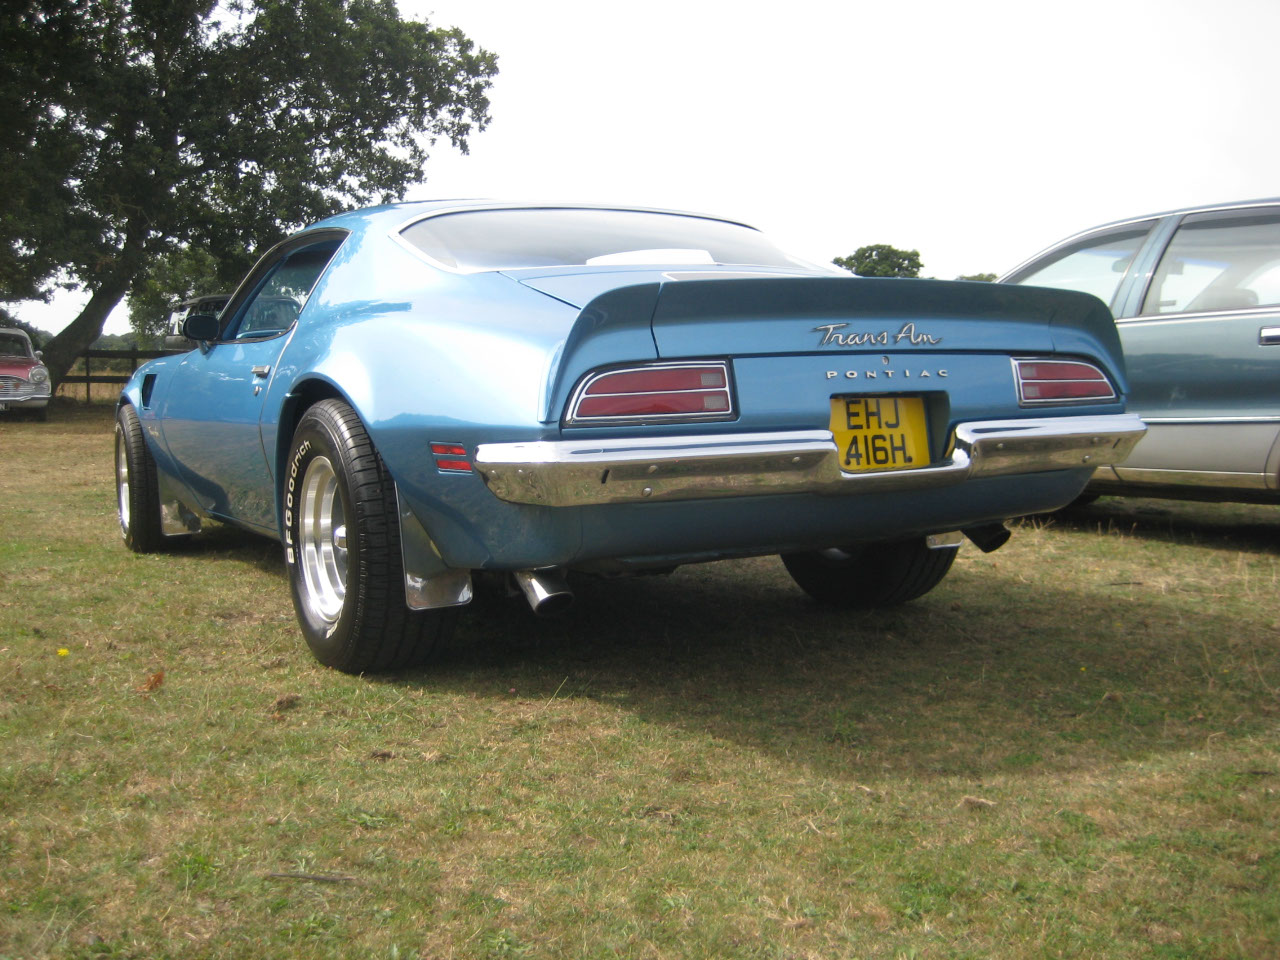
(89, 378)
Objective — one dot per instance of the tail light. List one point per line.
(1060, 381)
(654, 393)
(451, 457)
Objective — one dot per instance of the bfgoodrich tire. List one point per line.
(137, 489)
(870, 574)
(342, 544)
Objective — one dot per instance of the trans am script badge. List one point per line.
(832, 336)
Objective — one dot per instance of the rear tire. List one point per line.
(870, 574)
(342, 544)
(137, 489)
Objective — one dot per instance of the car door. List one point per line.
(1203, 354)
(213, 409)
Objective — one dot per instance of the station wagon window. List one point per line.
(478, 240)
(283, 293)
(1216, 262)
(1095, 264)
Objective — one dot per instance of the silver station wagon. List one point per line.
(1196, 297)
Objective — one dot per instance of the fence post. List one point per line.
(88, 377)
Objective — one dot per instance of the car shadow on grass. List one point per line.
(984, 675)
(1254, 528)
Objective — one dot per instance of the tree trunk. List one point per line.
(61, 352)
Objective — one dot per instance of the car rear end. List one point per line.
(790, 413)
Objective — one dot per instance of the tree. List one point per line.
(882, 260)
(979, 277)
(141, 128)
(177, 275)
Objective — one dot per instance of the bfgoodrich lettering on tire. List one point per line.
(870, 574)
(342, 543)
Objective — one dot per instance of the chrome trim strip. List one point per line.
(1175, 420)
(1145, 476)
(1155, 318)
(563, 473)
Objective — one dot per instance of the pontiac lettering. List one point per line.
(887, 374)
(831, 335)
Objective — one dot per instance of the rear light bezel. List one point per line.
(1021, 382)
(573, 418)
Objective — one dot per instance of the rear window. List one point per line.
(477, 240)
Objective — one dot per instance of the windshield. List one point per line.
(538, 237)
(14, 347)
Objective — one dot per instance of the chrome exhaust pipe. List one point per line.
(546, 590)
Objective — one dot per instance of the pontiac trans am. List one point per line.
(407, 395)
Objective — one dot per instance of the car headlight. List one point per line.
(39, 374)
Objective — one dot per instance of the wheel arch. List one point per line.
(301, 398)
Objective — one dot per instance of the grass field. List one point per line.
(1071, 748)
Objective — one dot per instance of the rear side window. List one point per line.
(1217, 262)
(1095, 264)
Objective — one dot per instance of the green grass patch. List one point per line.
(1071, 748)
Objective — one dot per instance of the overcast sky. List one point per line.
(976, 132)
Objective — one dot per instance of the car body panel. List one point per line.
(1204, 381)
(490, 359)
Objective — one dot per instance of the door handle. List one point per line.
(263, 369)
(1269, 336)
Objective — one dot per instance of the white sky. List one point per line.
(976, 132)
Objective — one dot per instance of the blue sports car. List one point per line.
(409, 394)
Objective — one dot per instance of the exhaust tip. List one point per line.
(989, 537)
(546, 590)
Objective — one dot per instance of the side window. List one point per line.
(1218, 262)
(1095, 264)
(280, 298)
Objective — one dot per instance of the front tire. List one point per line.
(342, 544)
(137, 488)
(870, 574)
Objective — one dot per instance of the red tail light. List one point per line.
(1060, 381)
(451, 457)
(657, 392)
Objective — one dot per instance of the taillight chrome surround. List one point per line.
(1053, 380)
(697, 391)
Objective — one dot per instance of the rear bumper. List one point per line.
(568, 473)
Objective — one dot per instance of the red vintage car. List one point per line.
(24, 379)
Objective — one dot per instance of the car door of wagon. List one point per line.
(1203, 352)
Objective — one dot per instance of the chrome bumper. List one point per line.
(568, 473)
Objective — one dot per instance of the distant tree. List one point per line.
(980, 277)
(882, 260)
(38, 337)
(133, 129)
(177, 275)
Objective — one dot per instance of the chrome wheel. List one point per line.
(122, 483)
(322, 534)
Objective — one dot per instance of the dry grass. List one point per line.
(1068, 749)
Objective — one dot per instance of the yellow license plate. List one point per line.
(880, 433)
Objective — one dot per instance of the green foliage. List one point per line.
(177, 275)
(38, 337)
(979, 277)
(882, 260)
(137, 129)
